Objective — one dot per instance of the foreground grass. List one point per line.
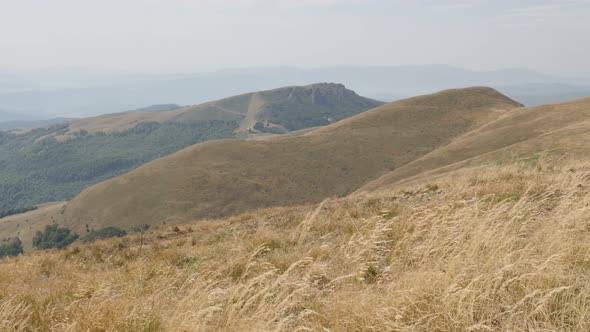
(494, 249)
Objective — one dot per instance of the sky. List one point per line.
(195, 35)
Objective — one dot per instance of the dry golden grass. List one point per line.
(491, 249)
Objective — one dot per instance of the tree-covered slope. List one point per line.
(37, 170)
(57, 162)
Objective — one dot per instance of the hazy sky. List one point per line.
(179, 35)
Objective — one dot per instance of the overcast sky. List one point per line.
(192, 35)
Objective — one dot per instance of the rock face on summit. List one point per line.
(323, 93)
(295, 108)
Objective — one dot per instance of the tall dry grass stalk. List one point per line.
(492, 249)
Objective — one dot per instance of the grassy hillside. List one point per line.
(523, 133)
(490, 249)
(26, 225)
(220, 178)
(55, 163)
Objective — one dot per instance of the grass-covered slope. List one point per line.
(226, 177)
(57, 162)
(523, 133)
(491, 249)
(25, 225)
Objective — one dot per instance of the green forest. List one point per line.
(38, 169)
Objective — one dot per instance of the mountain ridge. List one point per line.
(239, 105)
(203, 180)
(55, 163)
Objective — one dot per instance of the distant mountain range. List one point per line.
(8, 122)
(77, 93)
(26, 124)
(11, 116)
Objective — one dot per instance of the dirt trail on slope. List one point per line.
(256, 103)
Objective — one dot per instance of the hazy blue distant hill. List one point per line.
(10, 116)
(540, 94)
(27, 124)
(20, 120)
(79, 92)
